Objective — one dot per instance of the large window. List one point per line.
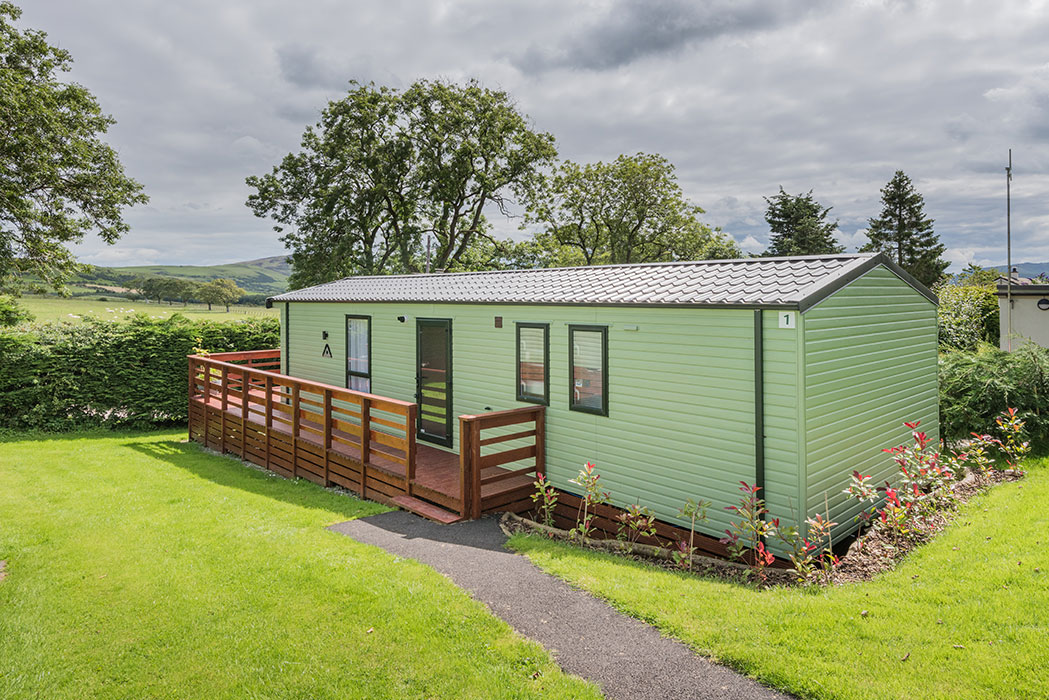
(588, 362)
(358, 353)
(533, 363)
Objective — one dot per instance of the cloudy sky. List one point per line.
(742, 96)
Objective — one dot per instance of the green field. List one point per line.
(965, 616)
(262, 276)
(73, 309)
(141, 566)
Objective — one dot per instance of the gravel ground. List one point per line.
(628, 659)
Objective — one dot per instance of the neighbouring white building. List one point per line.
(1030, 317)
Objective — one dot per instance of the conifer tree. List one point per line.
(799, 226)
(903, 231)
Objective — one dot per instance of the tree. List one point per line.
(12, 313)
(799, 226)
(220, 291)
(159, 288)
(58, 179)
(628, 211)
(184, 290)
(903, 231)
(977, 276)
(967, 315)
(382, 169)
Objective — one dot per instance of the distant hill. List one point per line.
(262, 276)
(1028, 269)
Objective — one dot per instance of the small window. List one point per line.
(588, 360)
(358, 353)
(533, 363)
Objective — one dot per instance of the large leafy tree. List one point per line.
(59, 180)
(220, 291)
(799, 226)
(631, 210)
(383, 169)
(904, 232)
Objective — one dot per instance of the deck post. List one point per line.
(189, 398)
(409, 434)
(207, 401)
(225, 405)
(269, 416)
(475, 469)
(295, 430)
(366, 441)
(327, 435)
(465, 482)
(245, 407)
(540, 441)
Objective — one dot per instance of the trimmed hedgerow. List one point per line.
(977, 387)
(63, 376)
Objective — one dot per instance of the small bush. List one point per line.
(64, 376)
(977, 387)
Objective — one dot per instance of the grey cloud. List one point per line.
(633, 29)
(741, 97)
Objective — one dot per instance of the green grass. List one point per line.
(974, 586)
(73, 309)
(140, 566)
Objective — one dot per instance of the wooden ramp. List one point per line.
(361, 442)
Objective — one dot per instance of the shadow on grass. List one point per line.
(230, 472)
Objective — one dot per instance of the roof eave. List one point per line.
(659, 305)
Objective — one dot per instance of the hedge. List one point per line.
(976, 387)
(64, 376)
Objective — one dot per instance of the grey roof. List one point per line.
(755, 282)
(1022, 286)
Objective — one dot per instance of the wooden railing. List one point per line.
(243, 387)
(477, 469)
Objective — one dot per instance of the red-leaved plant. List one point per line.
(592, 497)
(545, 499)
(745, 538)
(636, 522)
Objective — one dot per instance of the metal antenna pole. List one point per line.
(428, 241)
(1009, 252)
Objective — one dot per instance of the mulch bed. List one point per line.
(709, 567)
(877, 551)
(872, 553)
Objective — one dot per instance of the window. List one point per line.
(358, 353)
(533, 363)
(588, 361)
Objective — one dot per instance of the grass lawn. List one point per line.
(966, 616)
(56, 308)
(140, 566)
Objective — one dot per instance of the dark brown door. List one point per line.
(433, 378)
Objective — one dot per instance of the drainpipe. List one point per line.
(759, 400)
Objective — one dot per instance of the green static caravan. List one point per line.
(678, 380)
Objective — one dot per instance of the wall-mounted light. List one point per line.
(402, 319)
(1043, 304)
(324, 335)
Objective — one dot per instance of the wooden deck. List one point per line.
(362, 442)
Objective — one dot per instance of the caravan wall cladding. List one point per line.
(837, 383)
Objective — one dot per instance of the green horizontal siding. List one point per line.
(870, 363)
(681, 391)
(782, 436)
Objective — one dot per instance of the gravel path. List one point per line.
(627, 658)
